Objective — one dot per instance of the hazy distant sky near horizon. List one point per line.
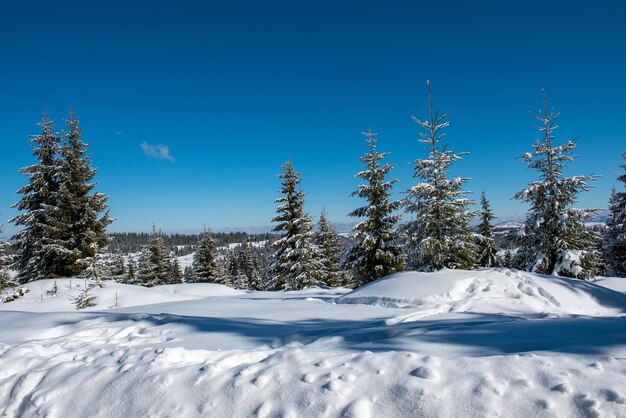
(190, 108)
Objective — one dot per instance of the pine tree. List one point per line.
(487, 249)
(204, 260)
(555, 237)
(439, 236)
(375, 252)
(614, 247)
(154, 263)
(296, 264)
(39, 199)
(330, 251)
(81, 215)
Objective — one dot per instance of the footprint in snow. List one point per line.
(587, 407)
(425, 372)
(613, 396)
(562, 388)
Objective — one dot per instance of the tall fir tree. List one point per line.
(555, 239)
(439, 236)
(155, 262)
(614, 246)
(296, 264)
(374, 252)
(39, 199)
(204, 265)
(487, 248)
(81, 215)
(330, 247)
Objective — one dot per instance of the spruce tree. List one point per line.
(176, 274)
(154, 263)
(555, 239)
(81, 215)
(439, 235)
(375, 252)
(39, 200)
(5, 279)
(614, 246)
(204, 260)
(487, 249)
(330, 252)
(296, 264)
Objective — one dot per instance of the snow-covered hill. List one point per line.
(447, 344)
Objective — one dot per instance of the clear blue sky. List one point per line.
(235, 88)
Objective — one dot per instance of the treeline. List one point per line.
(64, 219)
(180, 244)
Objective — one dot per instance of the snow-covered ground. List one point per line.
(447, 344)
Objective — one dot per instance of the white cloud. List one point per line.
(158, 152)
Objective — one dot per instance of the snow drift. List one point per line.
(498, 291)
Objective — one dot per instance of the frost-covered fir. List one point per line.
(439, 234)
(204, 267)
(39, 199)
(615, 236)
(296, 263)
(248, 275)
(555, 239)
(155, 262)
(330, 250)
(487, 248)
(80, 215)
(375, 252)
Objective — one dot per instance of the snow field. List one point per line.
(214, 351)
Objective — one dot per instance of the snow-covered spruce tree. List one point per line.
(81, 215)
(155, 262)
(439, 236)
(487, 249)
(614, 246)
(5, 279)
(330, 247)
(555, 239)
(248, 267)
(204, 265)
(374, 252)
(176, 274)
(296, 264)
(39, 199)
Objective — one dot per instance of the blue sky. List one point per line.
(235, 88)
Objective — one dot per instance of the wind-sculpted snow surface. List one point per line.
(221, 353)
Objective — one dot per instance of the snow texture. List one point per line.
(454, 343)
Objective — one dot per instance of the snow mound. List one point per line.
(493, 291)
(41, 296)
